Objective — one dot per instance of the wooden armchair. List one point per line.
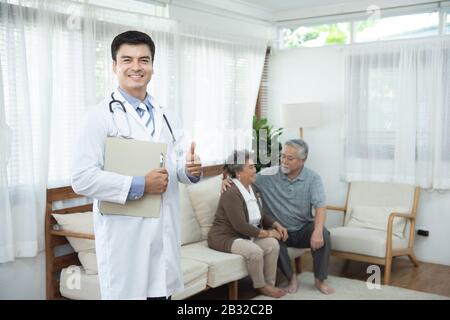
(356, 241)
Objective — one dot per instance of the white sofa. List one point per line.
(202, 267)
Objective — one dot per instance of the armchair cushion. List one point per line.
(364, 241)
(376, 218)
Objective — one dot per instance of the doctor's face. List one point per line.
(133, 68)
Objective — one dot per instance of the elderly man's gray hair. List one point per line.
(236, 161)
(300, 145)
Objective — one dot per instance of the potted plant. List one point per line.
(266, 140)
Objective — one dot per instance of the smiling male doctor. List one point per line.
(137, 257)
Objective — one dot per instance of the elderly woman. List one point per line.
(241, 227)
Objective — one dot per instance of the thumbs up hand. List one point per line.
(193, 163)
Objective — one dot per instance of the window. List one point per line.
(388, 24)
(316, 36)
(400, 27)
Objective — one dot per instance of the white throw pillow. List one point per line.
(377, 218)
(89, 261)
(77, 222)
(204, 199)
(190, 229)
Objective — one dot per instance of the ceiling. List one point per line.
(286, 11)
(282, 5)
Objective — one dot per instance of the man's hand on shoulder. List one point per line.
(226, 183)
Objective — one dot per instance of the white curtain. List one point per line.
(219, 82)
(6, 236)
(24, 34)
(397, 113)
(56, 62)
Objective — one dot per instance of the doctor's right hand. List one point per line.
(156, 181)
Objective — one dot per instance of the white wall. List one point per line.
(316, 75)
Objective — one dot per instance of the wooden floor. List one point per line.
(428, 277)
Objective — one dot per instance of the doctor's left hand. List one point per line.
(193, 163)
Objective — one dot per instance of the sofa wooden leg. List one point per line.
(233, 290)
(387, 271)
(298, 264)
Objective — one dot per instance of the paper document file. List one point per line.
(134, 158)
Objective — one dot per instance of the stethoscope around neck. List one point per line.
(127, 133)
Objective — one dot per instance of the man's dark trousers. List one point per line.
(302, 239)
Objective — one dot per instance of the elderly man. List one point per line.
(289, 192)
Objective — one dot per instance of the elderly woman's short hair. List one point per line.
(300, 145)
(236, 161)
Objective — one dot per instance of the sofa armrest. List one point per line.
(72, 234)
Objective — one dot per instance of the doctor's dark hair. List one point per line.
(132, 37)
(236, 161)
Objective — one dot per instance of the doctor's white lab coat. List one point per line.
(137, 257)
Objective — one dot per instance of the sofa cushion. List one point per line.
(369, 242)
(190, 229)
(77, 222)
(223, 267)
(296, 252)
(88, 260)
(376, 218)
(195, 275)
(204, 198)
(75, 283)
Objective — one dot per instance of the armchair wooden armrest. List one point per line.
(399, 215)
(393, 215)
(72, 234)
(336, 208)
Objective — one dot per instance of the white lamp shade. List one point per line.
(301, 115)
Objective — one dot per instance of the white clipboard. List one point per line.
(134, 158)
